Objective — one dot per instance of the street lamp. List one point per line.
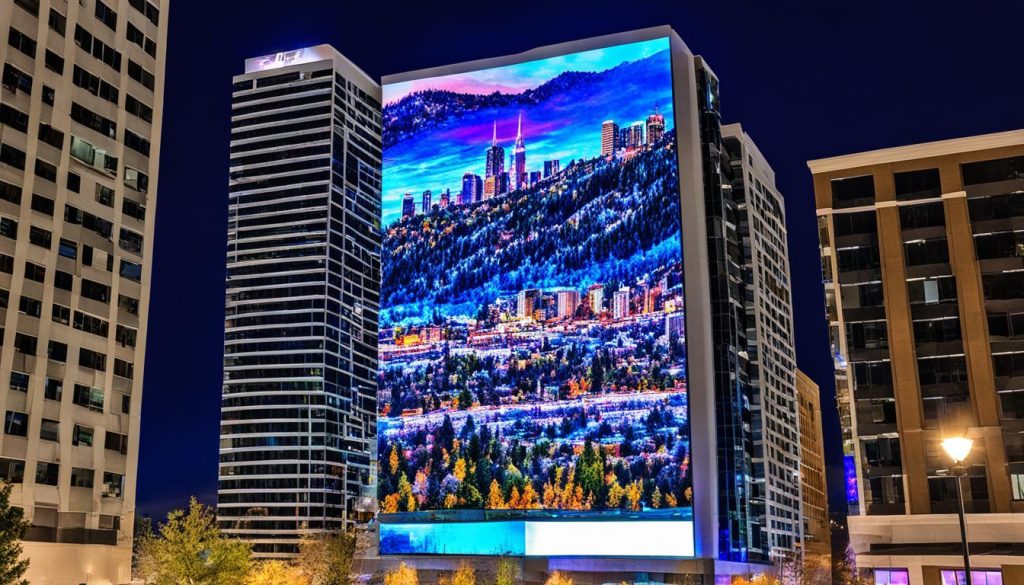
(958, 448)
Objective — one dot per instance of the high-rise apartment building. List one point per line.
(609, 137)
(298, 434)
(80, 118)
(755, 313)
(814, 493)
(923, 258)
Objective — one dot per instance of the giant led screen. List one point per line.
(532, 345)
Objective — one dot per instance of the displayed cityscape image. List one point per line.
(532, 338)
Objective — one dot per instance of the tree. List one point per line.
(559, 578)
(12, 528)
(190, 550)
(276, 573)
(507, 572)
(326, 559)
(403, 574)
(464, 575)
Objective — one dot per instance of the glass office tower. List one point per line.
(303, 263)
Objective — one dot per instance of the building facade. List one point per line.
(771, 356)
(922, 260)
(80, 117)
(817, 533)
(299, 397)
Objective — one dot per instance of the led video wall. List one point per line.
(533, 371)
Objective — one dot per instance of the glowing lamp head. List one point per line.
(957, 448)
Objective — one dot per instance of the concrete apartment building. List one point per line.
(298, 413)
(80, 117)
(817, 533)
(923, 257)
(758, 436)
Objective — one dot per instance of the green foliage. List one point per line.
(190, 550)
(327, 558)
(12, 528)
(507, 572)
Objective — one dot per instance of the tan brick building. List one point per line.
(923, 259)
(817, 541)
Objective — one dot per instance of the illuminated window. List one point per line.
(978, 577)
(892, 577)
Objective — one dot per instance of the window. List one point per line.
(152, 13)
(47, 473)
(932, 290)
(94, 85)
(123, 368)
(6, 264)
(872, 373)
(60, 314)
(48, 95)
(13, 118)
(922, 216)
(130, 241)
(82, 477)
(942, 370)
(892, 577)
(12, 156)
(138, 73)
(91, 359)
(25, 344)
(97, 48)
(83, 151)
(42, 204)
(31, 307)
(57, 351)
(1017, 486)
(132, 209)
(105, 15)
(16, 423)
(54, 389)
(126, 336)
(131, 270)
(90, 324)
(58, 22)
(40, 237)
(930, 251)
(91, 398)
(10, 192)
(82, 436)
(104, 195)
(46, 170)
(54, 62)
(138, 109)
(129, 304)
(63, 280)
(68, 248)
(858, 258)
(19, 381)
(16, 80)
(49, 430)
(113, 484)
(853, 191)
(126, 404)
(136, 142)
(12, 470)
(8, 228)
(116, 442)
(978, 577)
(51, 136)
(22, 42)
(35, 272)
(992, 171)
(30, 6)
(91, 119)
(74, 182)
(95, 291)
(136, 179)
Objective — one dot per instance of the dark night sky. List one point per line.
(806, 79)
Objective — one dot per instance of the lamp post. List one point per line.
(958, 448)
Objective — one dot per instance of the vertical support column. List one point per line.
(974, 330)
(909, 413)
